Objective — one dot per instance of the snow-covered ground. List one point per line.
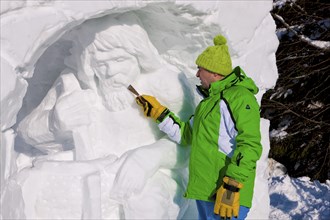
(74, 143)
(297, 198)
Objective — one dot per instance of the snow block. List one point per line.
(61, 190)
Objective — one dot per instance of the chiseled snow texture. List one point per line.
(74, 144)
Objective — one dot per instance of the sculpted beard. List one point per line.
(115, 95)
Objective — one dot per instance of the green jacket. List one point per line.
(224, 134)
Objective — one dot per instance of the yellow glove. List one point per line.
(227, 200)
(151, 107)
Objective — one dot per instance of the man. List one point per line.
(224, 134)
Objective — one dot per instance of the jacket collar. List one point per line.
(236, 77)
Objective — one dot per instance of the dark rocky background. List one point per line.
(298, 107)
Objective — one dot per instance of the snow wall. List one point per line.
(73, 142)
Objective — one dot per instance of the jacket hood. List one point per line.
(236, 78)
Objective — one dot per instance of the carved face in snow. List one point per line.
(115, 68)
(110, 54)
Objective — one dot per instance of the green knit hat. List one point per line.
(216, 58)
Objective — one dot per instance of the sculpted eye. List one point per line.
(120, 59)
(102, 69)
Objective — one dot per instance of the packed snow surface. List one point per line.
(74, 144)
(297, 198)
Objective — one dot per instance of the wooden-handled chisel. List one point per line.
(131, 88)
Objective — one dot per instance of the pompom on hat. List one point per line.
(216, 58)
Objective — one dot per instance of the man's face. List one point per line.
(205, 77)
(116, 68)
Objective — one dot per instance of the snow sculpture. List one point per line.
(108, 54)
(86, 151)
(90, 110)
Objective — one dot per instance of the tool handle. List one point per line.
(131, 88)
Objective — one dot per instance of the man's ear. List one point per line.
(217, 76)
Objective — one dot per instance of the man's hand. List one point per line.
(227, 200)
(151, 107)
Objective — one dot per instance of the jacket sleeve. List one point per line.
(245, 113)
(177, 130)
